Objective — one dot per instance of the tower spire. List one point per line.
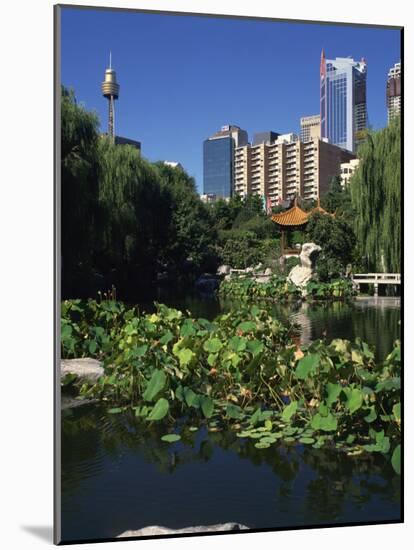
(110, 90)
(323, 63)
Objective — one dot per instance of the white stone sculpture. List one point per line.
(301, 274)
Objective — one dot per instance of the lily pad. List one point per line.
(307, 440)
(396, 459)
(171, 438)
(160, 410)
(262, 445)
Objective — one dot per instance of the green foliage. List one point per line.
(171, 438)
(338, 289)
(246, 234)
(289, 411)
(242, 252)
(245, 288)
(396, 459)
(261, 385)
(278, 288)
(376, 198)
(338, 200)
(261, 226)
(160, 410)
(80, 211)
(191, 233)
(155, 385)
(129, 189)
(337, 240)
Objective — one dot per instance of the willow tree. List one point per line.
(136, 211)
(376, 199)
(79, 191)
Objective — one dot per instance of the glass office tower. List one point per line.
(219, 160)
(218, 167)
(343, 101)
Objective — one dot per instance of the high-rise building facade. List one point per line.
(218, 160)
(286, 168)
(343, 101)
(310, 127)
(394, 92)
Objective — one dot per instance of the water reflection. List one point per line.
(375, 320)
(118, 475)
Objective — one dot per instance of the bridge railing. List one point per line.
(392, 278)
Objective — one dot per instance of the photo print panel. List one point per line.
(228, 274)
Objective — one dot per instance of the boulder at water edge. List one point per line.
(86, 368)
(160, 530)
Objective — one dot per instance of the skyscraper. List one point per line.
(343, 101)
(218, 163)
(310, 127)
(394, 92)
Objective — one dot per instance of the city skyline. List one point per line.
(174, 96)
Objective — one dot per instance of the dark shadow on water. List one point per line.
(43, 532)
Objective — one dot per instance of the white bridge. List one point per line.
(376, 279)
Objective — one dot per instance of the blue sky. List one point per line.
(183, 77)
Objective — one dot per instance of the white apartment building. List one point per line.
(394, 92)
(287, 168)
(347, 169)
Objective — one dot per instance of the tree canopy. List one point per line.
(376, 199)
(123, 218)
(337, 240)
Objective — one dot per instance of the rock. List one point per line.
(268, 271)
(263, 279)
(160, 530)
(258, 267)
(86, 368)
(249, 270)
(223, 270)
(227, 278)
(300, 275)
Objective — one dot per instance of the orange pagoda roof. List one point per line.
(319, 210)
(293, 216)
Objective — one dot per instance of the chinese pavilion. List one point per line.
(294, 219)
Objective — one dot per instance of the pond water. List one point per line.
(118, 475)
